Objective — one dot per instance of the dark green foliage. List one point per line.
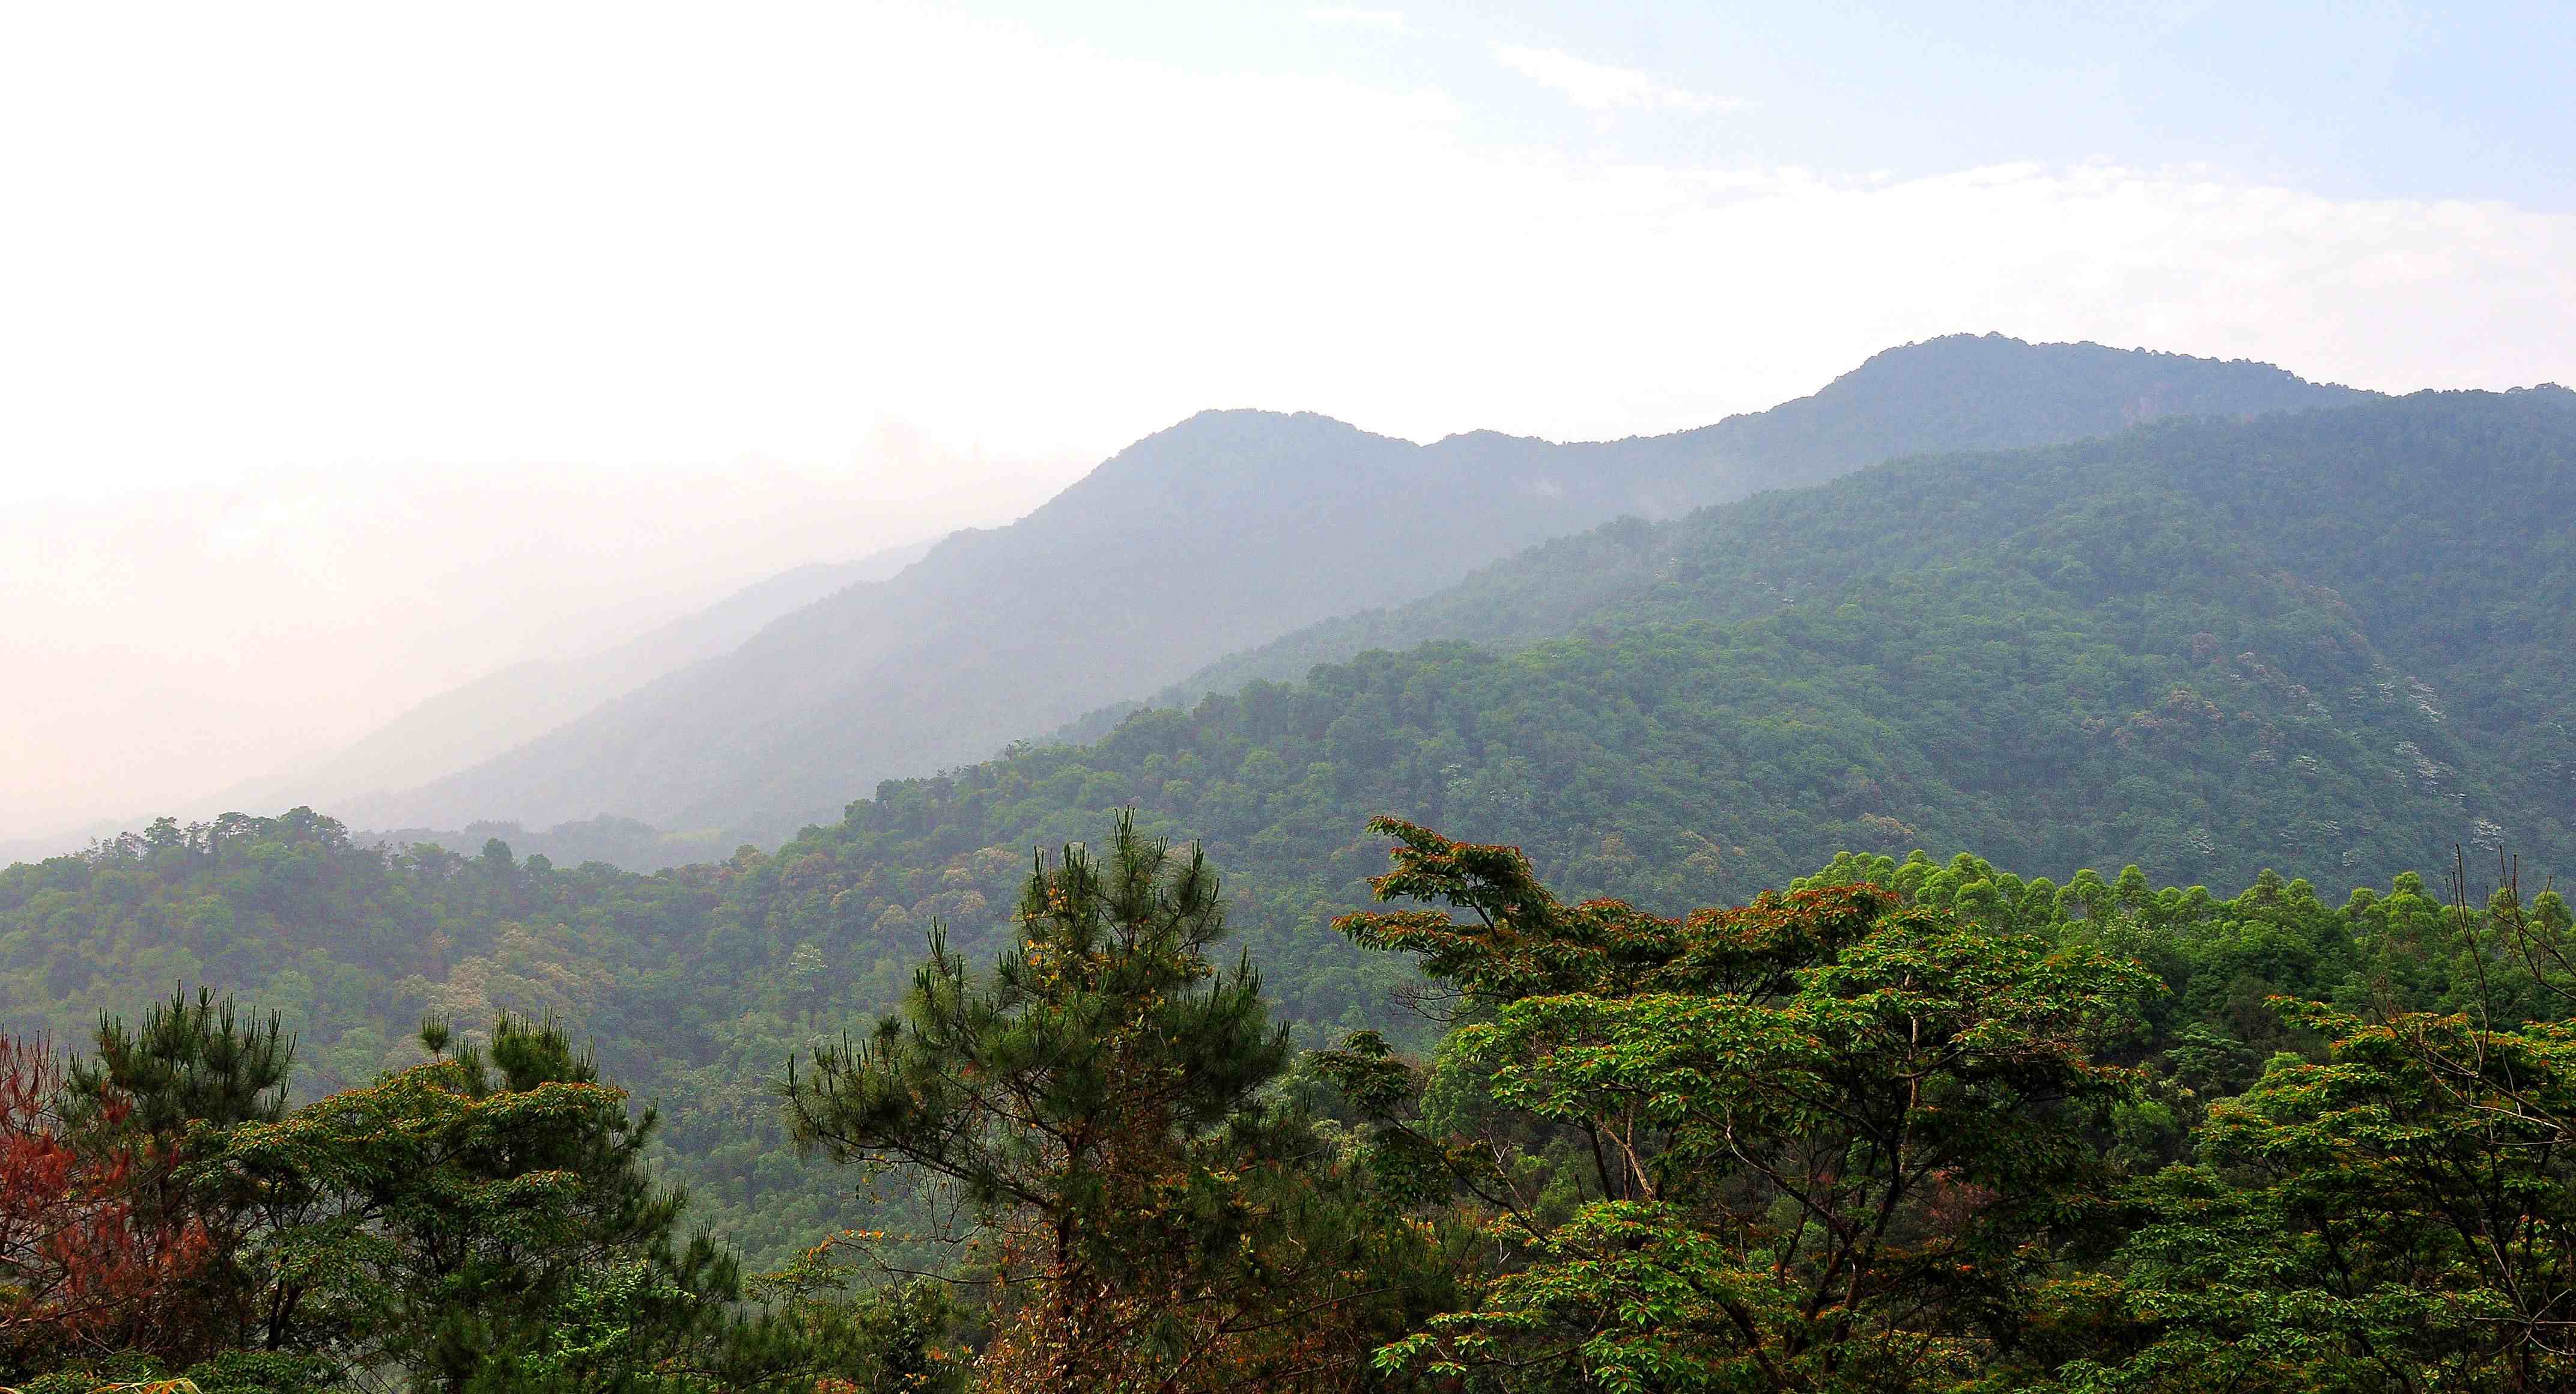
(1906, 1125)
(1102, 998)
(1145, 1217)
(483, 1222)
(401, 1221)
(2375, 575)
(909, 1336)
(2070, 657)
(191, 1062)
(1961, 393)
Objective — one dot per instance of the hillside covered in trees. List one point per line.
(2284, 670)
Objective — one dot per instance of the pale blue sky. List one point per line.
(2348, 100)
(626, 231)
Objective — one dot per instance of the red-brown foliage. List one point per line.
(78, 1265)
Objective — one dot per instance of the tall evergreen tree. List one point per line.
(201, 1062)
(1148, 1218)
(161, 1095)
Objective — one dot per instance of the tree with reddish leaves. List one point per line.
(82, 1267)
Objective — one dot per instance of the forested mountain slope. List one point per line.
(2332, 645)
(1222, 532)
(2446, 531)
(1975, 394)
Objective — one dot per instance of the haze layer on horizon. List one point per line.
(345, 355)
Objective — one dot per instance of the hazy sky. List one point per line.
(347, 351)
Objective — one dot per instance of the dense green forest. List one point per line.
(2316, 651)
(1906, 1126)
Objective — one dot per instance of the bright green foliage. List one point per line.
(2400, 1216)
(1832, 1143)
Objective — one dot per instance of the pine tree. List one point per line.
(161, 1096)
(1101, 1102)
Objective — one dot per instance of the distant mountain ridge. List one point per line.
(493, 713)
(1223, 532)
(1974, 394)
(504, 708)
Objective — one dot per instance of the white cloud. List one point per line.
(1351, 17)
(764, 234)
(1596, 87)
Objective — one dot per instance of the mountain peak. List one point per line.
(1993, 351)
(1229, 420)
(1995, 392)
(1237, 443)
